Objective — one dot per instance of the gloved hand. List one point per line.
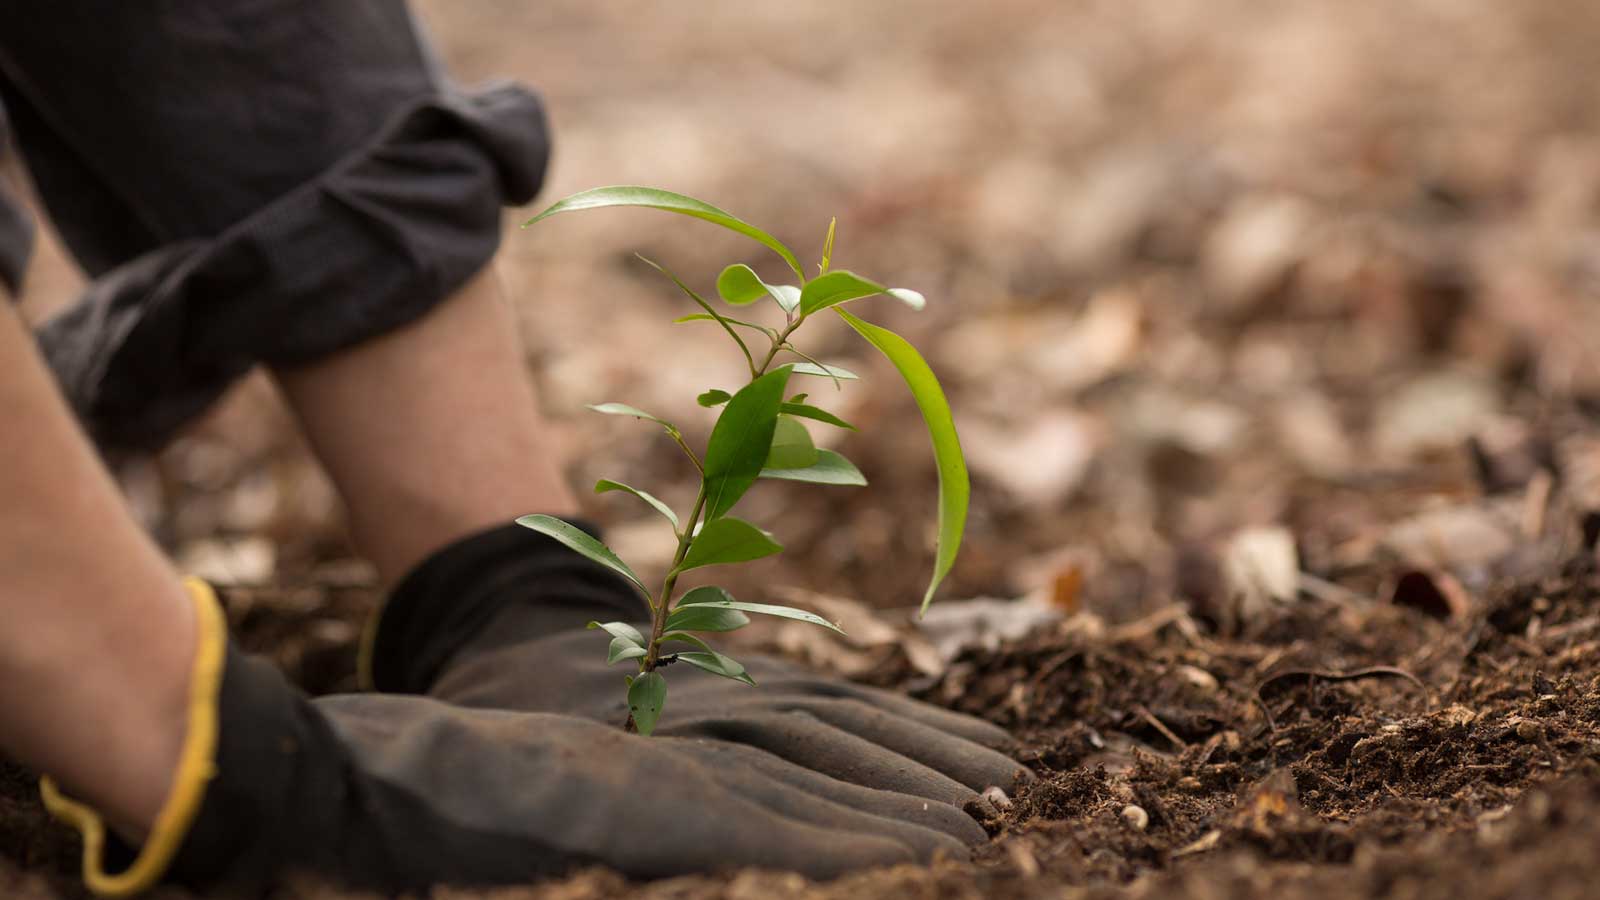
(400, 792)
(497, 621)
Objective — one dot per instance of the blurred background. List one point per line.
(1214, 286)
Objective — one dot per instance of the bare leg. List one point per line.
(97, 633)
(431, 432)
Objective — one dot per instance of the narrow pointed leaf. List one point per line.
(647, 695)
(954, 487)
(824, 370)
(580, 540)
(717, 598)
(842, 286)
(654, 198)
(792, 447)
(623, 409)
(622, 631)
(798, 398)
(717, 664)
(830, 468)
(739, 441)
(706, 618)
(727, 326)
(796, 408)
(621, 649)
(713, 397)
(606, 485)
(728, 540)
(827, 247)
(707, 317)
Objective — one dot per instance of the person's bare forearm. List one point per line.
(96, 630)
(431, 432)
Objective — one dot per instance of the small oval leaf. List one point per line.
(606, 485)
(716, 598)
(621, 631)
(647, 695)
(728, 540)
(621, 649)
(792, 447)
(830, 468)
(713, 397)
(577, 539)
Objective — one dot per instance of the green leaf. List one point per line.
(621, 649)
(954, 487)
(796, 408)
(842, 286)
(606, 485)
(623, 409)
(654, 198)
(717, 598)
(717, 664)
(740, 285)
(577, 539)
(687, 638)
(798, 398)
(647, 694)
(706, 618)
(713, 397)
(727, 326)
(825, 371)
(621, 631)
(827, 247)
(707, 317)
(739, 441)
(830, 468)
(728, 540)
(791, 446)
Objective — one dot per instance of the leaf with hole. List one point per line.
(606, 485)
(577, 539)
(716, 598)
(737, 449)
(792, 447)
(830, 468)
(654, 198)
(647, 695)
(717, 664)
(954, 487)
(728, 540)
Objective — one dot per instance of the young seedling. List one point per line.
(758, 435)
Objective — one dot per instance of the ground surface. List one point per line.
(1274, 337)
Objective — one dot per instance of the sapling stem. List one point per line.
(758, 435)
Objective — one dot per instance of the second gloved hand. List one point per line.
(497, 620)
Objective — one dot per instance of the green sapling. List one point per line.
(758, 435)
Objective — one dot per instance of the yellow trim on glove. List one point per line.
(196, 768)
(368, 648)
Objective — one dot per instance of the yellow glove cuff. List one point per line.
(196, 768)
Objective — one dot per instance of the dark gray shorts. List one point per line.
(246, 182)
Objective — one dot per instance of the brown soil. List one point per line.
(1195, 267)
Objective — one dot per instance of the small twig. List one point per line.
(1150, 718)
(1348, 675)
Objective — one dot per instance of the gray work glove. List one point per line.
(402, 792)
(497, 621)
